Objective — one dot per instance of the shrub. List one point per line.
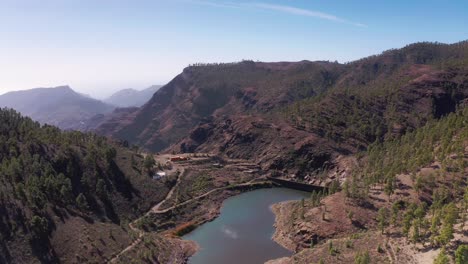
(461, 254)
(362, 258)
(442, 258)
(81, 202)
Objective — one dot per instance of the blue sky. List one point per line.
(100, 46)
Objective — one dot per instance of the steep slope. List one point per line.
(109, 121)
(299, 118)
(310, 136)
(406, 200)
(132, 97)
(68, 196)
(59, 106)
(203, 92)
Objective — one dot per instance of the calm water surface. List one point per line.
(242, 233)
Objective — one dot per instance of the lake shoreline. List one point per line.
(280, 236)
(271, 212)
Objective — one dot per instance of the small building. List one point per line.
(217, 165)
(178, 158)
(159, 175)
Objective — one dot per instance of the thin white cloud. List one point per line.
(291, 10)
(304, 12)
(229, 232)
(297, 11)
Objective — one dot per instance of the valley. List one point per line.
(328, 125)
(67, 109)
(382, 142)
(233, 131)
(203, 182)
(243, 230)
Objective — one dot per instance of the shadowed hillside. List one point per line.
(405, 202)
(67, 196)
(300, 117)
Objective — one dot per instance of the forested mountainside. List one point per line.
(406, 201)
(390, 131)
(59, 106)
(299, 117)
(67, 196)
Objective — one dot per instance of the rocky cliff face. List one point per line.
(298, 118)
(202, 93)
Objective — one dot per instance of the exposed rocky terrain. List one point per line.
(386, 134)
(419, 207)
(297, 118)
(323, 123)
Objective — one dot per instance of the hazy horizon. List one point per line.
(98, 48)
(102, 97)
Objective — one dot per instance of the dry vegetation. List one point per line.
(410, 196)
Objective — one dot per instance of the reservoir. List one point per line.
(242, 233)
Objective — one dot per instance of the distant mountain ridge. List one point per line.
(59, 106)
(131, 97)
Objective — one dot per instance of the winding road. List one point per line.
(156, 208)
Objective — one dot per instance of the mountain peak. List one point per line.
(64, 87)
(131, 97)
(60, 106)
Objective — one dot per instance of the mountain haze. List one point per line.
(234, 131)
(132, 97)
(385, 134)
(300, 115)
(60, 106)
(383, 139)
(374, 99)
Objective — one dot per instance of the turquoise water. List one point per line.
(242, 233)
